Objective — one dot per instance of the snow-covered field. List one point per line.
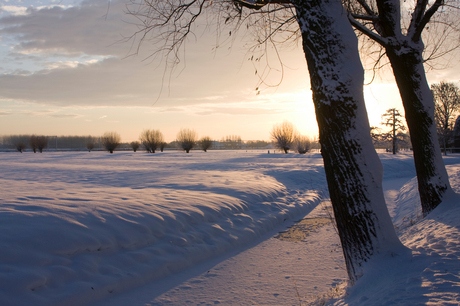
(80, 228)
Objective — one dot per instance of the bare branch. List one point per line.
(426, 18)
(366, 31)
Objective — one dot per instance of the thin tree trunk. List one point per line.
(353, 170)
(417, 99)
(394, 131)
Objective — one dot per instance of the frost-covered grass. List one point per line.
(79, 227)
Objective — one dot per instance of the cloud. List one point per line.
(93, 28)
(5, 113)
(261, 107)
(14, 10)
(83, 63)
(65, 116)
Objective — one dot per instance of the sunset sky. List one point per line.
(66, 69)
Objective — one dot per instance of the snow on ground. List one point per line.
(198, 229)
(79, 226)
(428, 271)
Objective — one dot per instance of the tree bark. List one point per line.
(353, 169)
(407, 63)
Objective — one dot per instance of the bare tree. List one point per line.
(20, 146)
(38, 143)
(162, 146)
(90, 145)
(283, 136)
(151, 140)
(302, 144)
(42, 143)
(352, 167)
(447, 104)
(386, 22)
(186, 138)
(392, 118)
(135, 145)
(33, 143)
(110, 141)
(205, 143)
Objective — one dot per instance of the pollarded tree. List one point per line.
(90, 145)
(205, 143)
(447, 104)
(38, 143)
(187, 138)
(393, 119)
(20, 146)
(42, 143)
(353, 170)
(135, 145)
(284, 135)
(384, 21)
(33, 143)
(111, 141)
(151, 140)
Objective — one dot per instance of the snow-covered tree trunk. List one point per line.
(405, 53)
(433, 181)
(353, 170)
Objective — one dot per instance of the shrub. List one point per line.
(110, 141)
(151, 140)
(205, 143)
(186, 138)
(90, 146)
(135, 145)
(283, 136)
(302, 144)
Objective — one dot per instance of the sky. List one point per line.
(66, 68)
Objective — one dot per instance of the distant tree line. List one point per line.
(24, 142)
(151, 141)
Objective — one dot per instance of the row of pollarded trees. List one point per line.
(286, 137)
(35, 142)
(152, 140)
(186, 139)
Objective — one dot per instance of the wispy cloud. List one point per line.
(66, 115)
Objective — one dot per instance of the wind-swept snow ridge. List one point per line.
(75, 227)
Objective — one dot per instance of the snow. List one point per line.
(80, 228)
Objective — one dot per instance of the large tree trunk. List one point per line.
(353, 170)
(433, 181)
